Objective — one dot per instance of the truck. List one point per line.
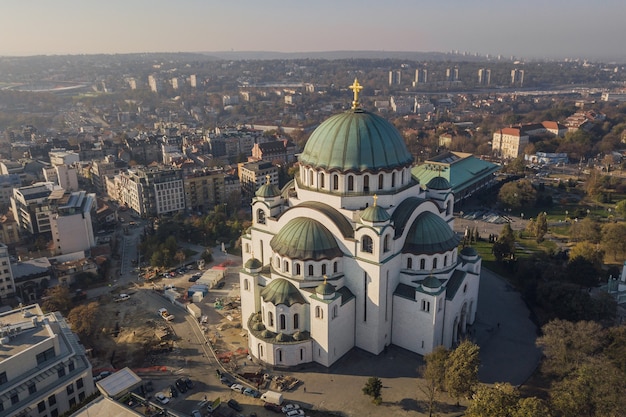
(272, 397)
(165, 315)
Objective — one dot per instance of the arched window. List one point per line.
(321, 180)
(435, 263)
(280, 355)
(422, 264)
(270, 319)
(350, 183)
(335, 267)
(277, 262)
(386, 244)
(445, 260)
(449, 208)
(260, 216)
(380, 181)
(323, 269)
(335, 182)
(319, 313)
(311, 173)
(283, 322)
(366, 184)
(298, 269)
(301, 354)
(335, 311)
(296, 321)
(367, 245)
(260, 350)
(286, 265)
(393, 179)
(409, 263)
(310, 270)
(246, 285)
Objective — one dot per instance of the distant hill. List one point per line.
(413, 56)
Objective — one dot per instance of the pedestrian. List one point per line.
(305, 390)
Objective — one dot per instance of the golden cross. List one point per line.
(325, 279)
(267, 177)
(356, 87)
(375, 199)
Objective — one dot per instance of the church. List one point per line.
(354, 252)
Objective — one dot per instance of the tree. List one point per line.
(433, 376)
(582, 271)
(497, 401)
(588, 251)
(57, 298)
(531, 407)
(620, 208)
(585, 229)
(614, 238)
(180, 257)
(566, 344)
(518, 194)
(373, 388)
(541, 227)
(462, 370)
(504, 247)
(84, 319)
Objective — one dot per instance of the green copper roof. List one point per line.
(375, 214)
(325, 288)
(403, 212)
(429, 233)
(305, 239)
(281, 291)
(438, 183)
(469, 251)
(337, 218)
(356, 140)
(268, 190)
(431, 281)
(253, 263)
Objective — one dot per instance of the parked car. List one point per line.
(180, 384)
(193, 278)
(220, 285)
(251, 392)
(237, 387)
(173, 391)
(295, 413)
(161, 398)
(188, 382)
(235, 405)
(290, 407)
(226, 381)
(196, 413)
(273, 407)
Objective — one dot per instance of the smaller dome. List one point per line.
(439, 183)
(258, 327)
(325, 289)
(375, 214)
(266, 334)
(268, 191)
(256, 317)
(429, 233)
(305, 239)
(253, 263)
(299, 336)
(431, 282)
(282, 337)
(469, 251)
(281, 291)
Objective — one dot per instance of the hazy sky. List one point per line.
(527, 28)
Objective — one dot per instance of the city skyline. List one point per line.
(533, 29)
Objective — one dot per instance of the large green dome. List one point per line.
(429, 233)
(305, 239)
(356, 140)
(281, 291)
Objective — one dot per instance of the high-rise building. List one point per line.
(153, 190)
(395, 77)
(484, 76)
(421, 76)
(517, 77)
(7, 285)
(44, 370)
(71, 223)
(153, 84)
(32, 206)
(354, 252)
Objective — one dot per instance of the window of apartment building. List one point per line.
(70, 389)
(72, 402)
(79, 383)
(41, 406)
(61, 371)
(45, 356)
(52, 400)
(81, 396)
(32, 388)
(71, 366)
(3, 378)
(54, 413)
(14, 398)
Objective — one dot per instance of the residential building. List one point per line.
(32, 277)
(9, 229)
(205, 189)
(395, 77)
(354, 252)
(7, 285)
(43, 367)
(71, 222)
(254, 174)
(152, 191)
(33, 205)
(283, 151)
(517, 77)
(509, 142)
(7, 183)
(100, 169)
(63, 157)
(62, 175)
